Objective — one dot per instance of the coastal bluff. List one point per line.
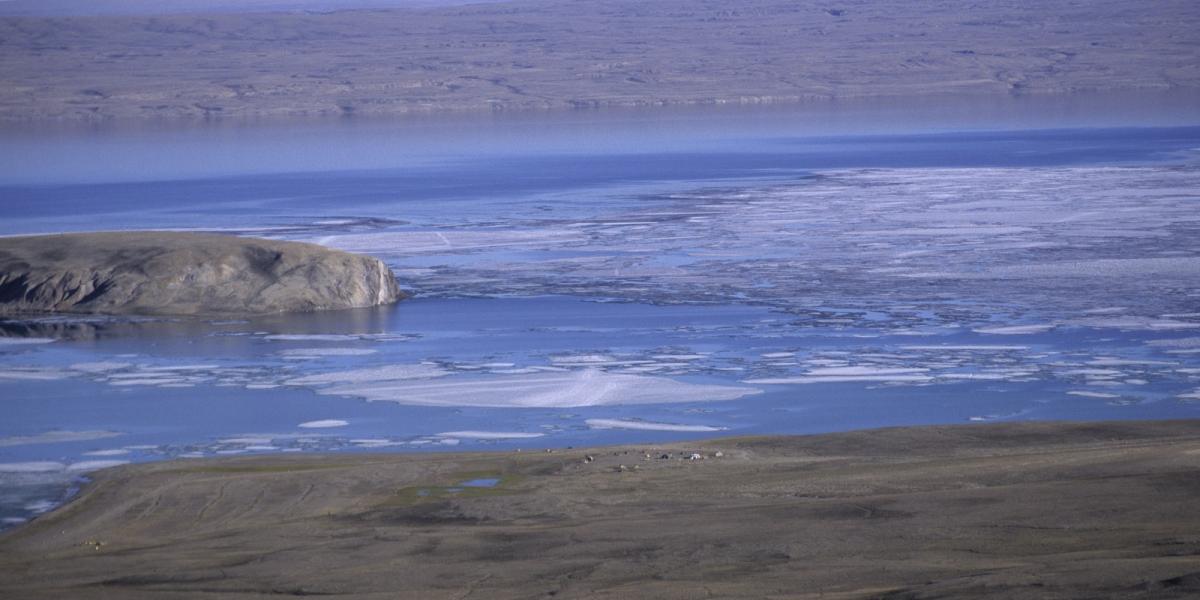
(184, 274)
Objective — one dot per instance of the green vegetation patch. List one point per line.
(418, 494)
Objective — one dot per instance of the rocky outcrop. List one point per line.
(168, 273)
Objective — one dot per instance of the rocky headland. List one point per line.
(185, 274)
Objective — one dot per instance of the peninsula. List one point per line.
(186, 274)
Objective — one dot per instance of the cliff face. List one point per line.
(164, 273)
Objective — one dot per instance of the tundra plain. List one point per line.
(554, 54)
(1018, 510)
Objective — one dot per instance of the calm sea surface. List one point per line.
(594, 278)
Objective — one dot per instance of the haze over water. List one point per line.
(592, 278)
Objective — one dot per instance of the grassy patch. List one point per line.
(448, 488)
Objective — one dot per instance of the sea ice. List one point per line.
(489, 435)
(845, 374)
(1014, 329)
(864, 370)
(35, 374)
(311, 337)
(24, 341)
(310, 353)
(1134, 323)
(173, 368)
(587, 360)
(372, 374)
(646, 425)
(840, 379)
(458, 240)
(38, 507)
(95, 465)
(1112, 361)
(585, 387)
(257, 440)
(32, 467)
(375, 443)
(1097, 373)
(1179, 266)
(99, 366)
(147, 381)
(325, 423)
(1186, 342)
(983, 376)
(1087, 394)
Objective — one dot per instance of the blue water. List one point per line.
(480, 483)
(465, 189)
(658, 285)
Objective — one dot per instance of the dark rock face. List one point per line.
(166, 273)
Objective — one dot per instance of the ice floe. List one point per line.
(1014, 329)
(311, 337)
(646, 425)
(1185, 342)
(54, 466)
(460, 240)
(801, 379)
(584, 387)
(489, 435)
(1182, 266)
(377, 443)
(95, 465)
(323, 424)
(969, 348)
(1113, 361)
(24, 341)
(1089, 394)
(38, 507)
(1134, 323)
(32, 467)
(35, 373)
(864, 370)
(372, 374)
(247, 440)
(850, 374)
(100, 366)
(311, 353)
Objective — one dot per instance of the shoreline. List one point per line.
(133, 151)
(1170, 106)
(1063, 509)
